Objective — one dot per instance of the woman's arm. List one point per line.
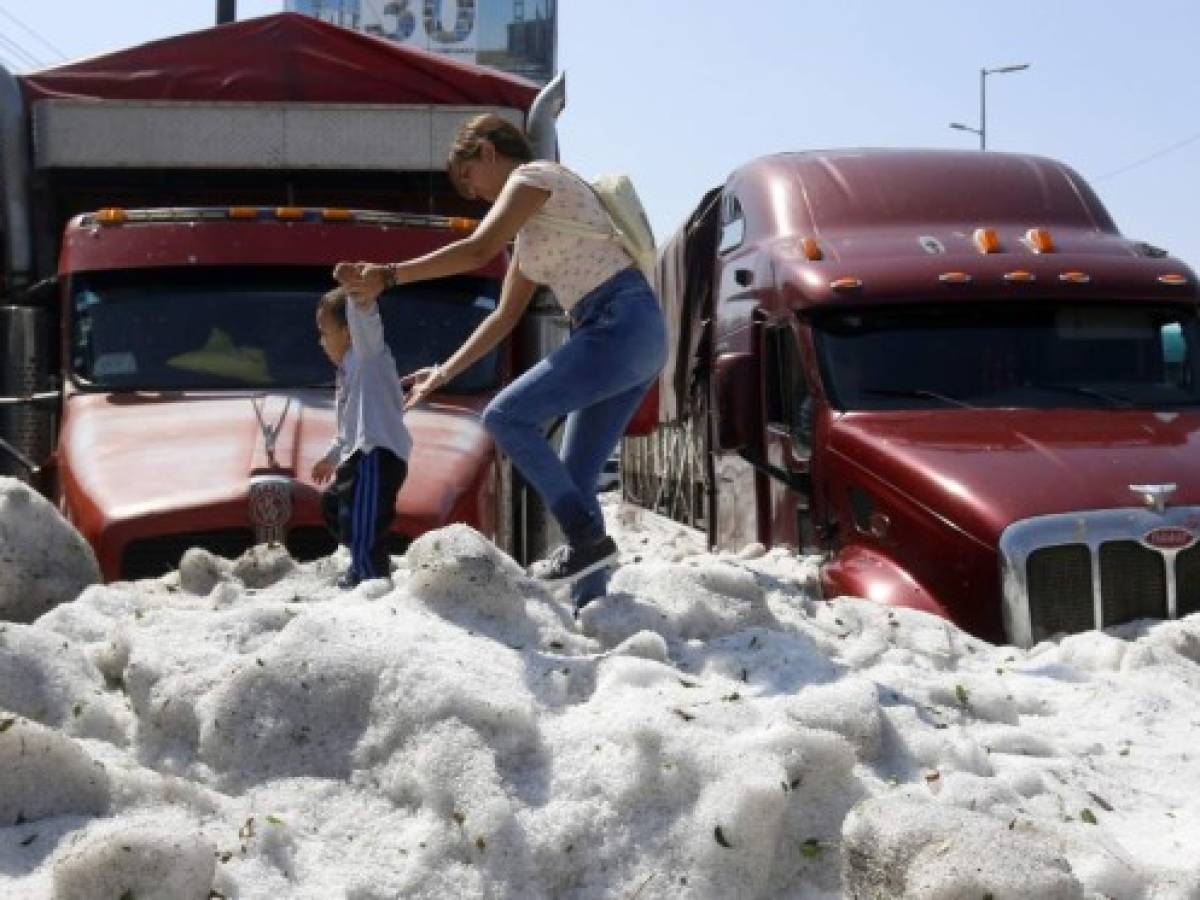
(514, 206)
(514, 298)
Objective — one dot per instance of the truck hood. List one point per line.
(983, 469)
(143, 456)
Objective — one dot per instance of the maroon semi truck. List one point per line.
(946, 373)
(172, 212)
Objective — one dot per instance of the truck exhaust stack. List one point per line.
(14, 182)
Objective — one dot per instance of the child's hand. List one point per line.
(421, 384)
(364, 282)
(322, 471)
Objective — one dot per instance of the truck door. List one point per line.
(788, 414)
(740, 493)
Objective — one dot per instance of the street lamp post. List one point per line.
(982, 129)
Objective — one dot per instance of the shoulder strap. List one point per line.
(579, 228)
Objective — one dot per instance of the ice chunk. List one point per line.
(44, 561)
(44, 773)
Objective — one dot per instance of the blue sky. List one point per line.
(679, 92)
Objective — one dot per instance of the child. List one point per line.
(368, 458)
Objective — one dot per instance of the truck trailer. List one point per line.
(172, 213)
(948, 375)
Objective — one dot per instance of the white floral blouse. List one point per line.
(569, 264)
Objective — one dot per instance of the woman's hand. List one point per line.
(419, 385)
(364, 282)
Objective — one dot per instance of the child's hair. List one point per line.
(333, 304)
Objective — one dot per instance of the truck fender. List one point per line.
(861, 571)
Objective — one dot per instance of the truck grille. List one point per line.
(1071, 573)
(1133, 582)
(1187, 581)
(1060, 589)
(152, 557)
(156, 556)
(309, 542)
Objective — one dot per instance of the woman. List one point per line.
(597, 377)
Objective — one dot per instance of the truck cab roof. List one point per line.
(835, 191)
(897, 225)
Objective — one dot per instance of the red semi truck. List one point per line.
(171, 215)
(946, 373)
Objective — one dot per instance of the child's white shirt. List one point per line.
(369, 399)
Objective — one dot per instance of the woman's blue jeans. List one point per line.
(597, 378)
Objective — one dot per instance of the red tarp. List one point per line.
(282, 58)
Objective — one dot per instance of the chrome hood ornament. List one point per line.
(270, 433)
(1155, 496)
(270, 507)
(270, 499)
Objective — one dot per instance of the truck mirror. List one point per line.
(801, 431)
(736, 393)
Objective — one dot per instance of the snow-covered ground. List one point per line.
(707, 730)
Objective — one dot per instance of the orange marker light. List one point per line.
(290, 213)
(1039, 240)
(954, 278)
(1074, 277)
(1173, 278)
(337, 215)
(986, 240)
(849, 283)
(1020, 275)
(459, 223)
(111, 215)
(243, 212)
(811, 249)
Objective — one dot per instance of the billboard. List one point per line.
(518, 36)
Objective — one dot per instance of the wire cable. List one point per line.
(13, 61)
(15, 49)
(37, 37)
(1178, 145)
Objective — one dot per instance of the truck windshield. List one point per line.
(1029, 355)
(225, 333)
